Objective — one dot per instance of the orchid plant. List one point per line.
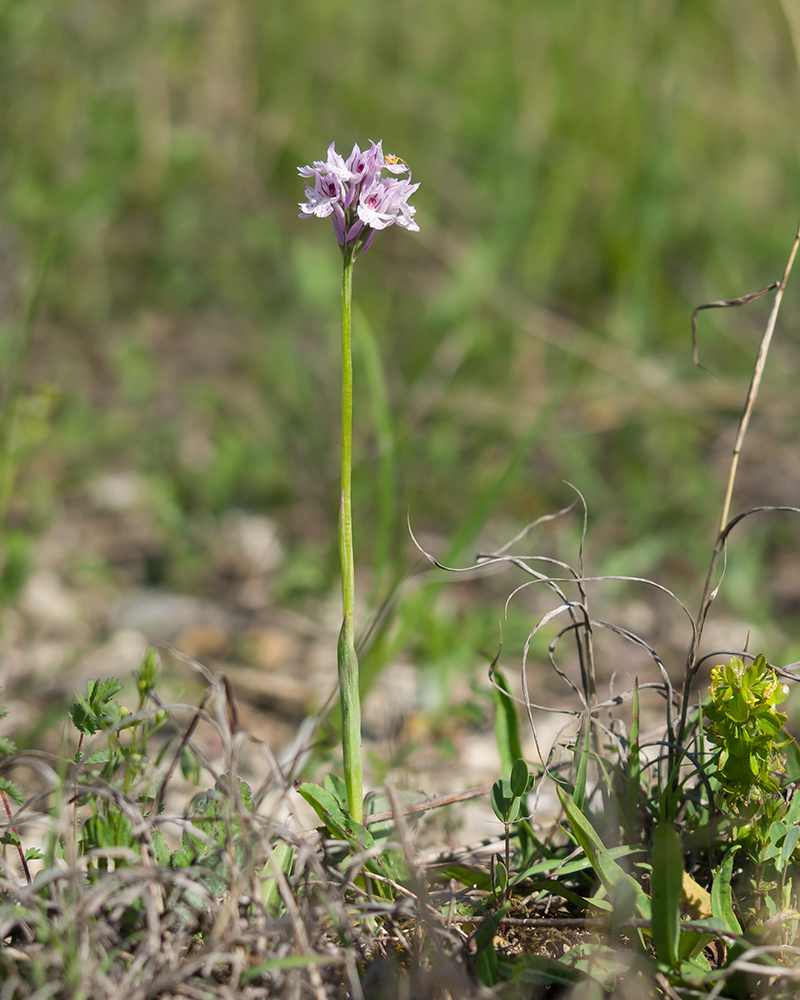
(359, 201)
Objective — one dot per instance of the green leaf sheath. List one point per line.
(346, 653)
(351, 721)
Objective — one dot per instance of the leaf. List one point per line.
(605, 867)
(467, 875)
(557, 889)
(190, 766)
(695, 898)
(556, 866)
(506, 724)
(538, 970)
(287, 962)
(337, 787)
(790, 843)
(12, 790)
(338, 822)
(519, 778)
(633, 784)
(486, 962)
(502, 799)
(721, 895)
(665, 880)
(501, 876)
(283, 859)
(582, 770)
(160, 849)
(777, 831)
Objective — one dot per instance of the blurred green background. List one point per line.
(589, 173)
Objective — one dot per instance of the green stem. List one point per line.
(346, 654)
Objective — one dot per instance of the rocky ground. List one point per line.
(86, 612)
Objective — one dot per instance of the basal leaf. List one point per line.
(666, 878)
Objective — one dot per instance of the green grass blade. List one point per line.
(8, 412)
(633, 784)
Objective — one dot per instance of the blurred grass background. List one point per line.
(590, 172)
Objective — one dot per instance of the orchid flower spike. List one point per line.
(356, 197)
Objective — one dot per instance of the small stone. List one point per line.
(46, 600)
(118, 657)
(255, 539)
(205, 642)
(165, 615)
(271, 648)
(117, 492)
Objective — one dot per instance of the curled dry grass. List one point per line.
(117, 922)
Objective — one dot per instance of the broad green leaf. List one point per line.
(190, 766)
(160, 848)
(721, 895)
(501, 876)
(582, 769)
(467, 875)
(502, 799)
(557, 889)
(339, 824)
(486, 962)
(556, 867)
(336, 785)
(506, 724)
(666, 878)
(283, 859)
(605, 867)
(519, 777)
(777, 830)
(790, 843)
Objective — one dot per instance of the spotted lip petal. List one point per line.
(385, 203)
(322, 198)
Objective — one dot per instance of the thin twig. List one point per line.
(724, 528)
(724, 304)
(755, 383)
